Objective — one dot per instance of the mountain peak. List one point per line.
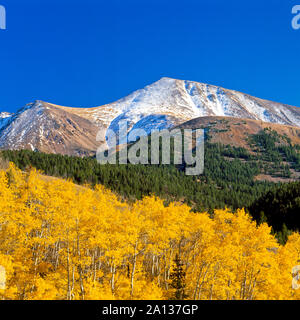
(163, 104)
(167, 79)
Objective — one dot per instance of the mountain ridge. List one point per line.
(163, 104)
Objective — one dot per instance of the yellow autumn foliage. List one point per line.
(61, 241)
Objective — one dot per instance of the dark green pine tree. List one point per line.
(178, 280)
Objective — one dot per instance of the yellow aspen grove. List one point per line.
(63, 241)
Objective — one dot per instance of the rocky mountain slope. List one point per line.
(42, 126)
(235, 132)
(163, 104)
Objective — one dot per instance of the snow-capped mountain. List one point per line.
(44, 127)
(163, 104)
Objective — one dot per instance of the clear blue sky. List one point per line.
(92, 52)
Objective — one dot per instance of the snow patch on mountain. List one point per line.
(4, 119)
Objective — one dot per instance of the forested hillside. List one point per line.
(280, 208)
(230, 178)
(224, 183)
